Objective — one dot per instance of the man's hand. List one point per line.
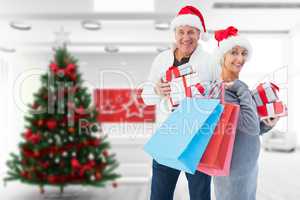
(271, 121)
(163, 89)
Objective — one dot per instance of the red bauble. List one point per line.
(36, 153)
(40, 122)
(95, 142)
(24, 174)
(98, 175)
(51, 124)
(36, 138)
(75, 164)
(45, 165)
(35, 105)
(73, 77)
(105, 153)
(80, 110)
(71, 130)
(32, 137)
(51, 179)
(28, 134)
(114, 184)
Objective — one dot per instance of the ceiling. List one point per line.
(128, 29)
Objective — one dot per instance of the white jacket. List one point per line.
(201, 62)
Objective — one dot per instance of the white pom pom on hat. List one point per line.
(191, 16)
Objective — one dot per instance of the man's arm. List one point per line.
(154, 90)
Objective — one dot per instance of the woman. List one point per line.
(232, 53)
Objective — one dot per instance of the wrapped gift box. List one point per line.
(185, 86)
(196, 90)
(274, 109)
(214, 90)
(175, 72)
(265, 93)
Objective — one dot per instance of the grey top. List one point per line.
(241, 184)
(247, 143)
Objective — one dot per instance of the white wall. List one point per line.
(52, 6)
(4, 72)
(294, 82)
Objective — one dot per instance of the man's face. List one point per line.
(186, 39)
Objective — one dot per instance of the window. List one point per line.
(268, 63)
(267, 59)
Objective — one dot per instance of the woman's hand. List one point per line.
(163, 89)
(271, 121)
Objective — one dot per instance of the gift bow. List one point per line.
(224, 34)
(262, 93)
(173, 71)
(271, 109)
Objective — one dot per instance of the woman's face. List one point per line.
(235, 59)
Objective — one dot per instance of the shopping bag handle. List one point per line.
(221, 91)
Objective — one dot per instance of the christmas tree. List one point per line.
(63, 143)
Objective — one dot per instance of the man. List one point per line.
(189, 26)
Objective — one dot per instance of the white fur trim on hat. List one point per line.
(187, 19)
(228, 44)
(204, 36)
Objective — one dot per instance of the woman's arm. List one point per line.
(267, 124)
(248, 120)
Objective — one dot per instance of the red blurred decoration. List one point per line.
(122, 105)
(32, 137)
(115, 185)
(51, 124)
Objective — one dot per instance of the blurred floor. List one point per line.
(278, 180)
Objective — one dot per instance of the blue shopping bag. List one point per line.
(182, 139)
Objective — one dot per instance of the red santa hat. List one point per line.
(229, 38)
(189, 15)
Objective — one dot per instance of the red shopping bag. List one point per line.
(217, 156)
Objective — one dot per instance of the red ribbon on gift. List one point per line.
(172, 103)
(271, 109)
(200, 88)
(262, 93)
(188, 90)
(172, 72)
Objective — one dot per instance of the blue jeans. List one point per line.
(164, 180)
